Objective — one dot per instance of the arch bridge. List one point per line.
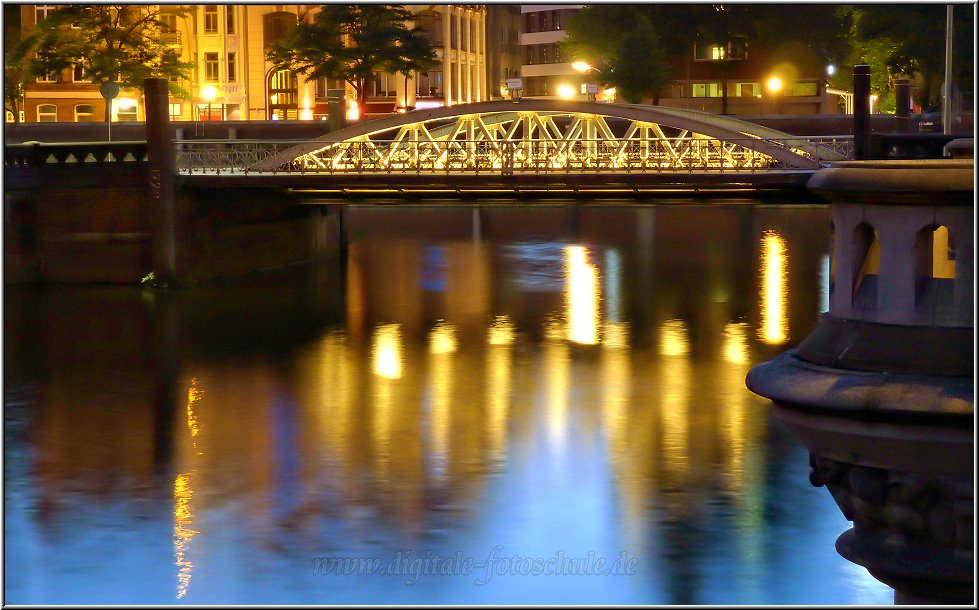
(524, 143)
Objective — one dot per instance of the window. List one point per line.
(84, 113)
(126, 110)
(803, 89)
(78, 74)
(8, 116)
(706, 90)
(530, 23)
(47, 113)
(229, 14)
(382, 85)
(211, 69)
(42, 11)
(49, 77)
(210, 18)
(232, 72)
(557, 20)
(747, 89)
(544, 53)
(176, 110)
(430, 85)
(431, 22)
(735, 49)
(168, 22)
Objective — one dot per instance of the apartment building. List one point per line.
(546, 71)
(231, 79)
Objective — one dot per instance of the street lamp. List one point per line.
(774, 87)
(565, 91)
(209, 93)
(584, 67)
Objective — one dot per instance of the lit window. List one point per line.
(47, 113)
(717, 52)
(84, 113)
(210, 18)
(211, 68)
(48, 77)
(175, 111)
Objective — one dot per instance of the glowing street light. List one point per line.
(565, 91)
(583, 66)
(209, 93)
(830, 70)
(774, 87)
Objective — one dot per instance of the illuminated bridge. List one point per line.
(525, 145)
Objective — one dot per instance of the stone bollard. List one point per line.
(882, 391)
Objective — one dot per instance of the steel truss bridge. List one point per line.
(529, 144)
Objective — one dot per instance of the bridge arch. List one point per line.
(548, 135)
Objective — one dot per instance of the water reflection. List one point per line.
(774, 289)
(525, 390)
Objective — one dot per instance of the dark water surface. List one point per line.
(472, 401)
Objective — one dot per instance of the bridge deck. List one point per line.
(789, 179)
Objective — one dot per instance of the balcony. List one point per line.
(171, 38)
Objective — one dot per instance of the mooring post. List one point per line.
(861, 111)
(159, 146)
(902, 92)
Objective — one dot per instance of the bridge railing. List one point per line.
(689, 154)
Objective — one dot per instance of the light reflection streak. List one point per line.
(387, 358)
(501, 331)
(582, 296)
(736, 342)
(557, 362)
(183, 517)
(498, 397)
(613, 281)
(442, 343)
(387, 351)
(673, 338)
(674, 406)
(774, 322)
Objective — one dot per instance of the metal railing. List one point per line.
(692, 154)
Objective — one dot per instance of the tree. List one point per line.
(623, 48)
(111, 43)
(910, 39)
(352, 41)
(415, 55)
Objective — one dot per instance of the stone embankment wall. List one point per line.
(89, 222)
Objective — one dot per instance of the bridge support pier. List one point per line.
(161, 180)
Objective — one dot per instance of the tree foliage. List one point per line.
(782, 31)
(909, 40)
(623, 48)
(111, 42)
(352, 41)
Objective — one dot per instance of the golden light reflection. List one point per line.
(182, 532)
(442, 339)
(674, 412)
(557, 362)
(673, 338)
(582, 296)
(501, 331)
(615, 335)
(387, 351)
(182, 494)
(736, 342)
(498, 397)
(774, 322)
(335, 396)
(440, 370)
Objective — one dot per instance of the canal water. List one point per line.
(502, 404)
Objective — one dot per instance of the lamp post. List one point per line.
(584, 67)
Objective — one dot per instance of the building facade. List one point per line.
(546, 71)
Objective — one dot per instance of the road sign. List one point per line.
(514, 83)
(592, 88)
(109, 90)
